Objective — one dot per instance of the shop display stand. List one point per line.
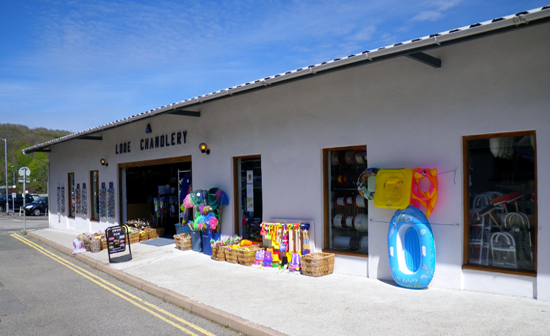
(117, 241)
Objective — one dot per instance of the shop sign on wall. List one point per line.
(153, 142)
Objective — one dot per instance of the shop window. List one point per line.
(500, 202)
(94, 194)
(346, 219)
(248, 188)
(72, 196)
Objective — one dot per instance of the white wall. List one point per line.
(408, 115)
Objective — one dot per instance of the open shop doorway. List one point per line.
(154, 190)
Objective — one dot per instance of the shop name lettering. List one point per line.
(159, 141)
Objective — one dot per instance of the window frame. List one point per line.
(466, 205)
(237, 160)
(326, 201)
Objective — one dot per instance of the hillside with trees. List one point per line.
(20, 137)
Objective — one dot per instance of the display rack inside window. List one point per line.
(348, 210)
(502, 218)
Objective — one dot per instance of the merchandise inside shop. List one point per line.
(154, 194)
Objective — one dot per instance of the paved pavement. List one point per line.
(264, 302)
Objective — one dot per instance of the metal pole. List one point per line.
(6, 164)
(24, 202)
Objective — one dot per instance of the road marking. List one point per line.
(138, 302)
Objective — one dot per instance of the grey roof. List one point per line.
(424, 43)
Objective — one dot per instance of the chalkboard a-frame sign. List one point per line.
(117, 240)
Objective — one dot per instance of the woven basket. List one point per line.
(183, 241)
(86, 243)
(218, 252)
(317, 264)
(247, 255)
(231, 255)
(160, 232)
(152, 233)
(143, 235)
(95, 245)
(103, 243)
(133, 237)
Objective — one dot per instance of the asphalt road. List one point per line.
(43, 292)
(16, 223)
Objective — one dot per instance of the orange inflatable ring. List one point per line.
(420, 197)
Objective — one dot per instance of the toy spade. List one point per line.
(298, 239)
(305, 233)
(290, 241)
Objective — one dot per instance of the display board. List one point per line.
(117, 240)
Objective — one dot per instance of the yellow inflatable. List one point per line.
(393, 188)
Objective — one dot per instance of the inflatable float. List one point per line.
(424, 196)
(366, 183)
(411, 248)
(393, 188)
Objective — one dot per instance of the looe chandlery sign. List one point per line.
(153, 142)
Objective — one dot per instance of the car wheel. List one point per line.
(2, 209)
(36, 212)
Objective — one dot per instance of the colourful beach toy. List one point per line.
(393, 188)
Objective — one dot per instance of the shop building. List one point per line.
(471, 102)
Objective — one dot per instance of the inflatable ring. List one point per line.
(393, 188)
(362, 183)
(424, 199)
(411, 248)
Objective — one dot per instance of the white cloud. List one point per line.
(434, 10)
(428, 16)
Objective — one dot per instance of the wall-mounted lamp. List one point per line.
(204, 148)
(103, 162)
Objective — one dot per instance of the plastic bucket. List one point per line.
(182, 228)
(196, 244)
(206, 236)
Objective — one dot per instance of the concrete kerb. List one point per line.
(208, 312)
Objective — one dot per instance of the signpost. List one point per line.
(117, 240)
(24, 172)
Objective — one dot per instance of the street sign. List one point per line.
(21, 180)
(24, 171)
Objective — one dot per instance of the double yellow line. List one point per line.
(136, 301)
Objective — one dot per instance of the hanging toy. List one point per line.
(210, 220)
(426, 199)
(393, 188)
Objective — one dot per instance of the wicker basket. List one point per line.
(231, 255)
(95, 245)
(86, 244)
(160, 232)
(317, 264)
(247, 255)
(218, 252)
(103, 243)
(133, 237)
(143, 235)
(183, 241)
(152, 233)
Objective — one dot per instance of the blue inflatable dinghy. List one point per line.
(411, 248)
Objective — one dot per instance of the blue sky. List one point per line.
(74, 65)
